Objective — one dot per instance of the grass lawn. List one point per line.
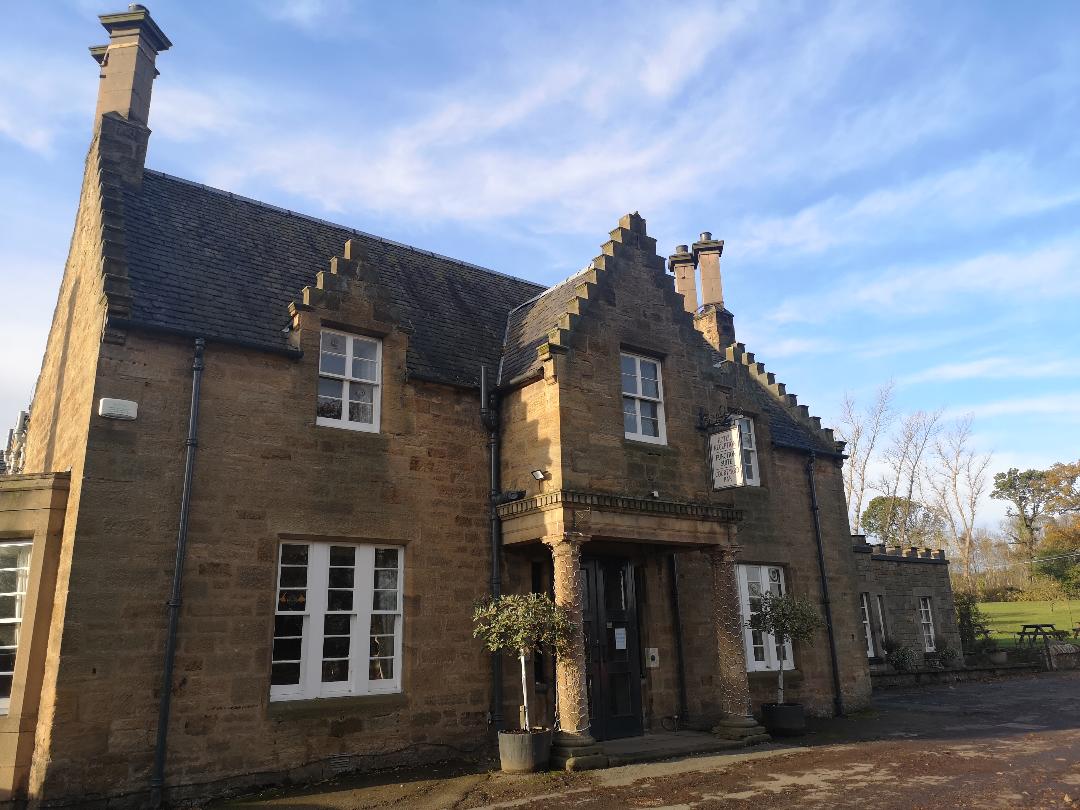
(1005, 618)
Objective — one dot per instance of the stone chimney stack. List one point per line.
(127, 64)
(707, 255)
(683, 264)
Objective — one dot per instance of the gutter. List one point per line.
(838, 703)
(157, 778)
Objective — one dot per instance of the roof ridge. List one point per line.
(355, 231)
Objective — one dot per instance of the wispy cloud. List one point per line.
(994, 368)
(1065, 405)
(38, 104)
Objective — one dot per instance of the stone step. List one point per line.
(654, 747)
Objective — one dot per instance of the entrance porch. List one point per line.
(650, 586)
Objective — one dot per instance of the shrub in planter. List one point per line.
(786, 618)
(947, 656)
(520, 624)
(901, 658)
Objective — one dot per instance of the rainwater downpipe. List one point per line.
(157, 778)
(489, 415)
(676, 614)
(838, 702)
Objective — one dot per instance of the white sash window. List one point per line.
(350, 373)
(338, 622)
(643, 399)
(14, 573)
(926, 624)
(762, 651)
(864, 601)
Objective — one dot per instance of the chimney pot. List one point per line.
(708, 251)
(682, 248)
(706, 236)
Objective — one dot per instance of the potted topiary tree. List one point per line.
(520, 624)
(786, 618)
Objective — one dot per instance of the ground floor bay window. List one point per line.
(762, 651)
(338, 622)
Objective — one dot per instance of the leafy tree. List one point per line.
(1028, 494)
(787, 618)
(973, 623)
(895, 520)
(1064, 483)
(521, 624)
(1058, 556)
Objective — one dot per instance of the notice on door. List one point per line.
(620, 638)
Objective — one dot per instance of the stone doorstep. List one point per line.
(667, 745)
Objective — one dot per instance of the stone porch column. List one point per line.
(573, 748)
(737, 721)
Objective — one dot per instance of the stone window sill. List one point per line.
(335, 706)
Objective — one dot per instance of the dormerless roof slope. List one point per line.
(208, 263)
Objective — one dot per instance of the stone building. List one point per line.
(906, 599)
(290, 414)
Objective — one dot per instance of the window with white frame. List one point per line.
(747, 444)
(338, 623)
(926, 624)
(883, 632)
(350, 374)
(14, 574)
(762, 651)
(864, 601)
(643, 399)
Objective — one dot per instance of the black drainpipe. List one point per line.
(489, 415)
(676, 613)
(157, 778)
(838, 702)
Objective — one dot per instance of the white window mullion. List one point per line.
(319, 556)
(363, 622)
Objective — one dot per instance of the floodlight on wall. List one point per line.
(539, 475)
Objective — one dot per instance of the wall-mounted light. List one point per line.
(539, 475)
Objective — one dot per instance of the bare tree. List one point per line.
(862, 428)
(956, 483)
(904, 459)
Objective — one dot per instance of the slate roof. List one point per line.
(209, 263)
(527, 327)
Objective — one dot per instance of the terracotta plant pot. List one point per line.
(784, 719)
(524, 751)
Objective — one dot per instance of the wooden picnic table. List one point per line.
(1032, 632)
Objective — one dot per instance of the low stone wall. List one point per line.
(899, 680)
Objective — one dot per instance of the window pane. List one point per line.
(10, 556)
(292, 600)
(335, 671)
(341, 577)
(337, 625)
(342, 555)
(386, 579)
(329, 405)
(364, 369)
(294, 555)
(293, 576)
(9, 581)
(650, 379)
(381, 669)
(385, 600)
(336, 647)
(287, 649)
(381, 645)
(284, 674)
(629, 375)
(339, 600)
(288, 625)
(333, 343)
(382, 625)
(331, 363)
(629, 415)
(361, 414)
(650, 421)
(364, 349)
(9, 635)
(386, 558)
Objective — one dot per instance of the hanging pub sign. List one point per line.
(733, 453)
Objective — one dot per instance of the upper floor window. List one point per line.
(762, 651)
(337, 628)
(747, 447)
(643, 399)
(14, 573)
(350, 374)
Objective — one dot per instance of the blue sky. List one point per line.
(898, 185)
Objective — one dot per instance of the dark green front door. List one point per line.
(612, 658)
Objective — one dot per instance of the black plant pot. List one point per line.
(784, 719)
(524, 751)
